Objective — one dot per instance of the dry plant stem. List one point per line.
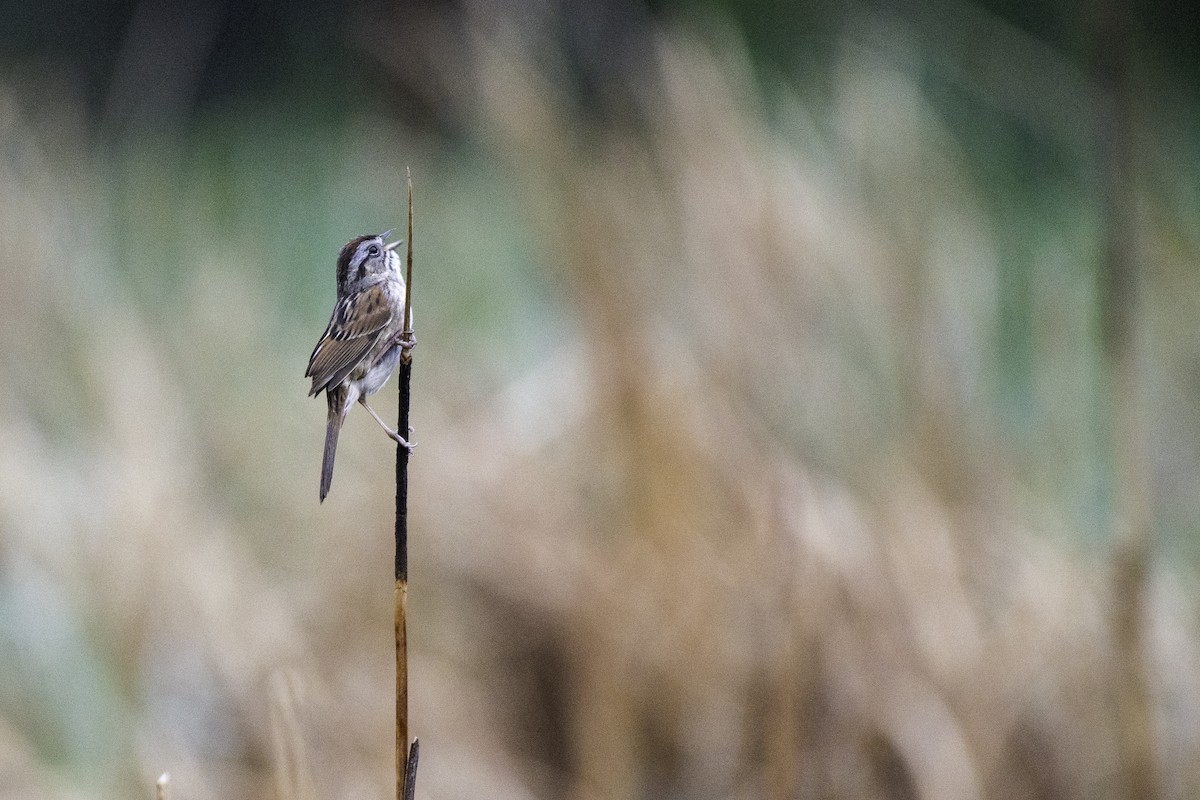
(406, 763)
(1133, 537)
(401, 682)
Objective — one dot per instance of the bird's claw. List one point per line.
(400, 440)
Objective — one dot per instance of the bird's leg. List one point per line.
(394, 435)
(406, 340)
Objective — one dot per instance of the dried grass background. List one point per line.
(719, 492)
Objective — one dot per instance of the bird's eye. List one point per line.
(373, 250)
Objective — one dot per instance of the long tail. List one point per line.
(333, 427)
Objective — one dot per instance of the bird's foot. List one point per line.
(405, 339)
(400, 440)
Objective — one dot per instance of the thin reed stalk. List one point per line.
(406, 759)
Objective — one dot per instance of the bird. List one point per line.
(364, 339)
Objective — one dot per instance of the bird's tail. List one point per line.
(333, 427)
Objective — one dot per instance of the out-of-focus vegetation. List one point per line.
(768, 440)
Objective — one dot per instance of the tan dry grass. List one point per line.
(746, 533)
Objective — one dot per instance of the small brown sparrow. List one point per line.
(363, 341)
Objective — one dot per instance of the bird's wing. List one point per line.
(357, 323)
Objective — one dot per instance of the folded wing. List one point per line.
(358, 322)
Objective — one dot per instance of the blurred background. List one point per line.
(805, 399)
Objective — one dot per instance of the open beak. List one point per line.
(394, 244)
